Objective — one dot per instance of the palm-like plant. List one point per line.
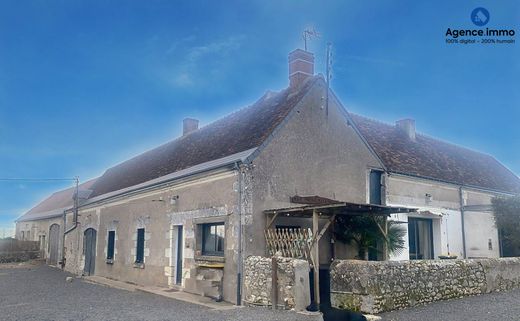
(366, 232)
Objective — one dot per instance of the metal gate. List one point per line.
(54, 244)
(89, 250)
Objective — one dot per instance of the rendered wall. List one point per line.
(444, 203)
(375, 287)
(211, 197)
(311, 154)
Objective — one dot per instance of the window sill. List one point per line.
(109, 261)
(138, 265)
(210, 258)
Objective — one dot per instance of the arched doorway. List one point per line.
(54, 244)
(89, 250)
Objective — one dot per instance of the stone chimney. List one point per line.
(301, 67)
(189, 125)
(407, 127)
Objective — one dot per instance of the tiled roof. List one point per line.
(54, 204)
(245, 129)
(431, 158)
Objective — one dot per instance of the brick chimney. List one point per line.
(407, 127)
(189, 125)
(301, 67)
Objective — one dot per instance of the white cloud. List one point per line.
(183, 80)
(201, 63)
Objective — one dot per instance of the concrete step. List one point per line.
(209, 288)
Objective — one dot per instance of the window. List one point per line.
(28, 235)
(420, 238)
(213, 239)
(375, 187)
(139, 253)
(23, 236)
(110, 245)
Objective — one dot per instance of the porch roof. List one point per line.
(330, 207)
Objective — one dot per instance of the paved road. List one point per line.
(41, 293)
(504, 306)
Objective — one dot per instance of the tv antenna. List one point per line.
(329, 74)
(308, 34)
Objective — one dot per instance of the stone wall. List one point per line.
(12, 250)
(375, 287)
(293, 282)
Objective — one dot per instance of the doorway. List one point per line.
(89, 250)
(178, 263)
(54, 244)
(420, 238)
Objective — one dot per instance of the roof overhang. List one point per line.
(42, 215)
(166, 179)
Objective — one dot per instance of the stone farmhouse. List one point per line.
(188, 213)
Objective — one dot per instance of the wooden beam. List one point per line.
(315, 227)
(274, 282)
(384, 231)
(380, 229)
(323, 230)
(385, 248)
(271, 220)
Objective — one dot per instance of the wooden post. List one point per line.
(385, 247)
(315, 229)
(274, 282)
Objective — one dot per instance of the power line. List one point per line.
(8, 179)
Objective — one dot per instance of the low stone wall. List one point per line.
(10, 257)
(293, 282)
(374, 287)
(13, 250)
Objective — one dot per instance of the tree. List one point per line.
(368, 236)
(506, 212)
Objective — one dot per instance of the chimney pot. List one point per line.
(189, 125)
(301, 67)
(407, 126)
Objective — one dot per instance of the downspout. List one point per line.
(72, 228)
(74, 225)
(461, 199)
(63, 239)
(240, 263)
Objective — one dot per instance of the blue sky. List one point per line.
(87, 84)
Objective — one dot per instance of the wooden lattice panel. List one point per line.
(289, 242)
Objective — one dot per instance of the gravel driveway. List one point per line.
(504, 306)
(40, 292)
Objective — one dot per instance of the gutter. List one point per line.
(463, 228)
(240, 262)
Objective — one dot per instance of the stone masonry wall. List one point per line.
(293, 282)
(374, 287)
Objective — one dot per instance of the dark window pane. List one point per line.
(213, 239)
(139, 257)
(111, 244)
(375, 187)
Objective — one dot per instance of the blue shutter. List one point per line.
(140, 246)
